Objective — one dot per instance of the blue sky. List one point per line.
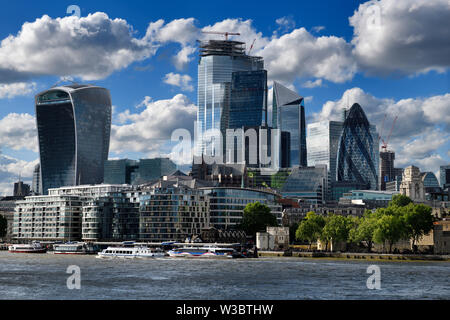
(328, 51)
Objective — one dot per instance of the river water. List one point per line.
(44, 277)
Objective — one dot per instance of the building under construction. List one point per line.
(219, 61)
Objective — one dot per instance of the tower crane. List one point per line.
(382, 128)
(251, 48)
(226, 34)
(385, 143)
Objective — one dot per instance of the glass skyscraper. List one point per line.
(444, 175)
(323, 141)
(74, 126)
(248, 105)
(288, 115)
(308, 184)
(358, 152)
(218, 60)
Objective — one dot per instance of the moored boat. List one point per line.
(202, 252)
(34, 247)
(72, 248)
(131, 252)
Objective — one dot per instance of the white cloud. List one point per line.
(11, 169)
(18, 131)
(299, 54)
(90, 47)
(150, 129)
(182, 31)
(317, 29)
(312, 84)
(12, 90)
(405, 36)
(183, 57)
(183, 81)
(285, 24)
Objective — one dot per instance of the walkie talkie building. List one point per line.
(74, 127)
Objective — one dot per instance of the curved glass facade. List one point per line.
(357, 158)
(74, 126)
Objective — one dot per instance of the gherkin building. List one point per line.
(357, 158)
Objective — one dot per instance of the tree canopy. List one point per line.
(256, 218)
(400, 200)
(310, 229)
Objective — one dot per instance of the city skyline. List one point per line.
(161, 63)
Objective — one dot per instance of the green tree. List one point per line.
(257, 217)
(364, 230)
(418, 220)
(400, 200)
(310, 229)
(337, 228)
(390, 228)
(3, 226)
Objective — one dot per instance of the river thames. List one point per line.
(44, 277)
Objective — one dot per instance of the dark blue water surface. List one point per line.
(43, 276)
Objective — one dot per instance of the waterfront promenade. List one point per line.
(357, 256)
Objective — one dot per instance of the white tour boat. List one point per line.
(72, 248)
(202, 252)
(34, 247)
(131, 252)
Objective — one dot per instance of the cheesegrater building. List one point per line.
(74, 126)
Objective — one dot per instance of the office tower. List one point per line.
(36, 182)
(429, 180)
(248, 105)
(445, 176)
(387, 172)
(285, 156)
(153, 169)
(120, 171)
(309, 184)
(74, 126)
(21, 189)
(288, 115)
(358, 152)
(218, 61)
(323, 141)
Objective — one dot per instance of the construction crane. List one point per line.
(385, 143)
(382, 128)
(251, 48)
(226, 34)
